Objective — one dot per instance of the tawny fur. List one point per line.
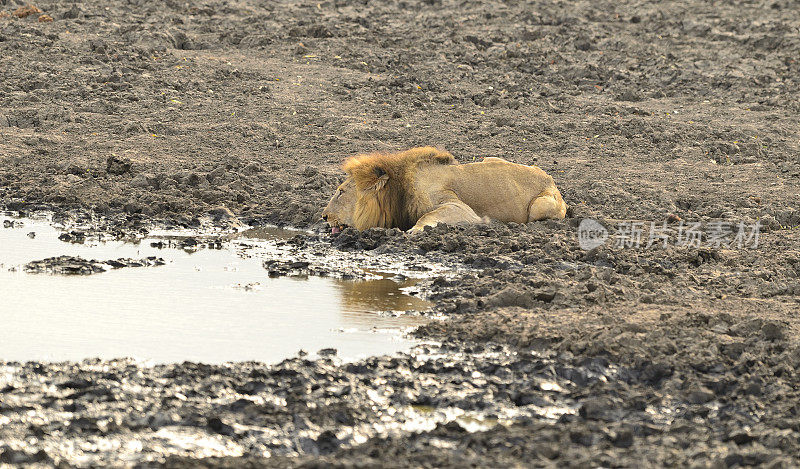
(384, 199)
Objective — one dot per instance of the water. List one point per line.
(208, 305)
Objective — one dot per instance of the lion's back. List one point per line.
(498, 188)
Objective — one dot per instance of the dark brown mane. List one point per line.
(383, 180)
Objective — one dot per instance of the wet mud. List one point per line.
(130, 117)
(71, 265)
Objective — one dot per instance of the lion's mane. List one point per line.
(385, 186)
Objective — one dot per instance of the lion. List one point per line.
(426, 186)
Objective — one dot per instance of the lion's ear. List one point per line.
(381, 178)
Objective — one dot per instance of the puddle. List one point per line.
(206, 305)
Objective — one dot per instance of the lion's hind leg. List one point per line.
(451, 213)
(548, 204)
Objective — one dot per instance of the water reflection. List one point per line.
(379, 295)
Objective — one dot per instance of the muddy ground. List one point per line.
(167, 113)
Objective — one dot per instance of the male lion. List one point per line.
(425, 186)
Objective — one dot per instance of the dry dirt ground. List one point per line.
(166, 112)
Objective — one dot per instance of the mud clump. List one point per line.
(74, 236)
(116, 165)
(65, 265)
(303, 268)
(71, 265)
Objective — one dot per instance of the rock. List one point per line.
(117, 165)
(752, 388)
(741, 437)
(773, 330)
(633, 96)
(623, 438)
(140, 181)
(595, 408)
(189, 242)
(253, 168)
(218, 426)
(221, 213)
(73, 13)
(511, 296)
(699, 395)
(327, 442)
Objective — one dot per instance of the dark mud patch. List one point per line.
(279, 268)
(557, 406)
(72, 265)
(294, 408)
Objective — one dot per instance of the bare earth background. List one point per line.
(163, 112)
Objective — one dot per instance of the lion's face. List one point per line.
(339, 212)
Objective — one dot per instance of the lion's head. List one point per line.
(377, 192)
(339, 211)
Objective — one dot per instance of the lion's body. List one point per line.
(494, 188)
(425, 186)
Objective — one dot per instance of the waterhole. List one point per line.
(205, 305)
